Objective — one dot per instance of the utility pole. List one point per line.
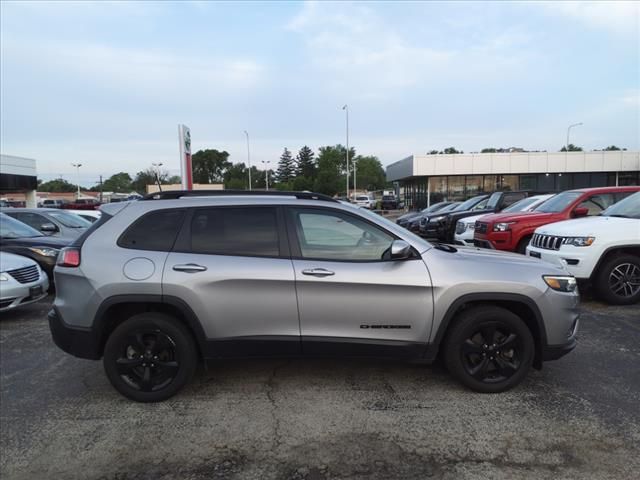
(100, 188)
(569, 131)
(248, 158)
(346, 109)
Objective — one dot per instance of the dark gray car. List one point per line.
(51, 221)
(159, 284)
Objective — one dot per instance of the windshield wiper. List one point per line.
(619, 215)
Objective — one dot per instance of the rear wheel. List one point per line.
(150, 357)
(489, 349)
(618, 280)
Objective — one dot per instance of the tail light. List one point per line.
(69, 257)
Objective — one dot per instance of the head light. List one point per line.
(502, 227)
(471, 226)
(45, 251)
(579, 241)
(436, 219)
(3, 277)
(561, 283)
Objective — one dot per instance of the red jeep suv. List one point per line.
(513, 231)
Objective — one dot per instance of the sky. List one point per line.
(106, 84)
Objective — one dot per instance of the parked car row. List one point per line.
(530, 226)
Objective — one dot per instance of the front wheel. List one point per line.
(489, 349)
(618, 280)
(150, 357)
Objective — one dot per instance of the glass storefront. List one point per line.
(460, 187)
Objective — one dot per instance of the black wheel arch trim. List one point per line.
(602, 258)
(434, 345)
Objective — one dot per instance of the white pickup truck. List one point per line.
(603, 249)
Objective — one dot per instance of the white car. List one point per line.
(365, 201)
(90, 215)
(22, 281)
(465, 227)
(603, 249)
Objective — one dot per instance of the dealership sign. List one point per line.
(186, 169)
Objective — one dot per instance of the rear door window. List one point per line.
(239, 231)
(155, 231)
(597, 203)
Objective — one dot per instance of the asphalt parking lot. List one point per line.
(318, 418)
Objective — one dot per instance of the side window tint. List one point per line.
(154, 231)
(482, 205)
(325, 235)
(597, 203)
(235, 231)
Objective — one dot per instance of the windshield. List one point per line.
(521, 205)
(627, 208)
(494, 199)
(440, 206)
(70, 220)
(558, 203)
(469, 204)
(11, 228)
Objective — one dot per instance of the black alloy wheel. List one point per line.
(489, 349)
(618, 280)
(150, 357)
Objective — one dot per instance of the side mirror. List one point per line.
(400, 250)
(48, 228)
(580, 212)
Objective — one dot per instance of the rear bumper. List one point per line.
(79, 342)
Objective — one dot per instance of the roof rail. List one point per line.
(176, 194)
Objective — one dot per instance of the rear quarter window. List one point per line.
(155, 231)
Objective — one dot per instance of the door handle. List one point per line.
(189, 268)
(318, 272)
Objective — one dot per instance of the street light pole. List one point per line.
(156, 170)
(248, 158)
(266, 172)
(569, 131)
(346, 109)
(77, 165)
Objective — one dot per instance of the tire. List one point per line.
(522, 245)
(150, 357)
(618, 280)
(489, 370)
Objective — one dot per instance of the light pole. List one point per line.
(77, 165)
(248, 157)
(569, 131)
(266, 172)
(346, 109)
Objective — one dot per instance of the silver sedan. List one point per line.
(22, 281)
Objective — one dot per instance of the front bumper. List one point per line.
(576, 260)
(79, 342)
(15, 294)
(554, 352)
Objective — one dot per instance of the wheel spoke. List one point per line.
(146, 384)
(469, 346)
(124, 366)
(508, 342)
(139, 343)
(488, 333)
(505, 367)
(170, 368)
(161, 343)
(480, 370)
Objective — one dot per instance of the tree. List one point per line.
(120, 182)
(148, 177)
(451, 150)
(370, 174)
(286, 167)
(432, 152)
(174, 180)
(57, 185)
(331, 169)
(306, 163)
(613, 148)
(488, 150)
(209, 166)
(236, 177)
(572, 148)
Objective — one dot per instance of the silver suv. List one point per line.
(159, 284)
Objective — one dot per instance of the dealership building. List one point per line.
(18, 174)
(425, 179)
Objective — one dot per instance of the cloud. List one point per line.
(617, 17)
(358, 49)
